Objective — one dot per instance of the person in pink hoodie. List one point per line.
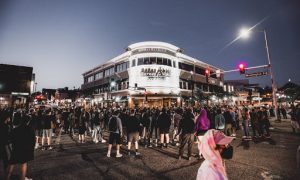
(214, 147)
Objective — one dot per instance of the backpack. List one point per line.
(113, 125)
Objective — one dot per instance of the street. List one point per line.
(273, 159)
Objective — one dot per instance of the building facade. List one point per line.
(149, 74)
(15, 84)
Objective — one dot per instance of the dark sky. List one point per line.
(62, 39)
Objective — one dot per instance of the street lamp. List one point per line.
(244, 33)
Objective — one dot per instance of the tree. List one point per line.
(200, 95)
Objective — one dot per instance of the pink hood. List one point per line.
(212, 166)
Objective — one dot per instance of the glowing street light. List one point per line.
(245, 33)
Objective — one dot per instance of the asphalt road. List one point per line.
(272, 159)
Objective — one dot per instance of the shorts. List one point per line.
(164, 130)
(114, 138)
(47, 133)
(38, 132)
(133, 137)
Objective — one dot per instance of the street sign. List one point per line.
(256, 74)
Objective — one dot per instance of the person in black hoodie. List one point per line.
(164, 123)
(133, 126)
(23, 140)
(4, 130)
(186, 129)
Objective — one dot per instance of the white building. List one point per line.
(149, 74)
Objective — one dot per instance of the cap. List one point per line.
(221, 139)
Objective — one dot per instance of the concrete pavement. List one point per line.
(272, 159)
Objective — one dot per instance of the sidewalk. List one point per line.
(283, 126)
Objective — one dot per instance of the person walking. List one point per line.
(186, 131)
(202, 125)
(115, 133)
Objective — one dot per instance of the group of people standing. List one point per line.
(23, 130)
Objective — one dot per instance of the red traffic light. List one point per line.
(207, 72)
(242, 68)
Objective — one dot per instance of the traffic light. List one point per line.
(242, 68)
(207, 74)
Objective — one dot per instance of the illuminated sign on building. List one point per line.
(155, 73)
(159, 79)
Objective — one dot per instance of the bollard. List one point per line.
(298, 157)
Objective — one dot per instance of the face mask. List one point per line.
(227, 153)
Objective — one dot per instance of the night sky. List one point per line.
(61, 39)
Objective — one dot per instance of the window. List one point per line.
(169, 62)
(165, 61)
(159, 60)
(200, 70)
(146, 60)
(180, 85)
(152, 60)
(140, 61)
(90, 79)
(133, 63)
(174, 64)
(109, 72)
(99, 75)
(186, 67)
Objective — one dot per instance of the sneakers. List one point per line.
(26, 178)
(177, 144)
(119, 155)
(36, 146)
(137, 153)
(189, 158)
(96, 141)
(50, 147)
(108, 155)
(179, 157)
(103, 141)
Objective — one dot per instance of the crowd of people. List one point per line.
(23, 130)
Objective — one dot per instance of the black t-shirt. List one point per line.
(228, 117)
(133, 124)
(47, 119)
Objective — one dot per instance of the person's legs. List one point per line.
(43, 137)
(109, 150)
(23, 171)
(167, 139)
(190, 144)
(9, 171)
(161, 138)
(182, 144)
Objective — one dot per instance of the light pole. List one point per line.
(192, 86)
(245, 34)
